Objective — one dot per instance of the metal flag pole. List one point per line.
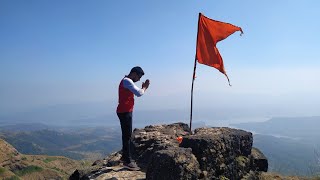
(194, 76)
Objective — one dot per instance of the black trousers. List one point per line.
(126, 128)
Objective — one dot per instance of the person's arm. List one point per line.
(128, 83)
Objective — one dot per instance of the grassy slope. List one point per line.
(13, 164)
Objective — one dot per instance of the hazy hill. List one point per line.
(288, 156)
(14, 165)
(23, 127)
(103, 113)
(61, 114)
(76, 143)
(306, 128)
(291, 144)
(82, 115)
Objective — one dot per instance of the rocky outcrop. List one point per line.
(208, 153)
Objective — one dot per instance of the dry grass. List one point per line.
(14, 165)
(6, 174)
(274, 176)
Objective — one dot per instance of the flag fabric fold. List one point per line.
(210, 32)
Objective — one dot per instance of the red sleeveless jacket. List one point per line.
(126, 99)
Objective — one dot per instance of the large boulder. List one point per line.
(173, 164)
(240, 140)
(221, 152)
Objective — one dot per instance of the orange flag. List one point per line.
(210, 32)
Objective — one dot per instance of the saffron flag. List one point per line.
(210, 32)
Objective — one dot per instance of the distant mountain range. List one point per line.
(90, 114)
(288, 156)
(60, 115)
(291, 144)
(73, 142)
(303, 128)
(103, 113)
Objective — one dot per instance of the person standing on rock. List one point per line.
(127, 90)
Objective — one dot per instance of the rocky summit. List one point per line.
(206, 153)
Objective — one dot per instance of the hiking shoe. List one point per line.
(131, 166)
(123, 160)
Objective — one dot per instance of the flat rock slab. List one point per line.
(119, 173)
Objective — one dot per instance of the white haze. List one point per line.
(254, 95)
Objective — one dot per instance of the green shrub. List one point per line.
(2, 170)
(223, 178)
(49, 159)
(28, 170)
(12, 178)
(242, 160)
(57, 169)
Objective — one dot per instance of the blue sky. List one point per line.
(69, 52)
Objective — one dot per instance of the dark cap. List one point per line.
(137, 70)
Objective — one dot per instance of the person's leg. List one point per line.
(126, 128)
